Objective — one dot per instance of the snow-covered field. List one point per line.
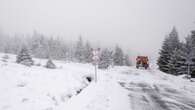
(65, 88)
(39, 88)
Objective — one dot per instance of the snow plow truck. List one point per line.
(142, 61)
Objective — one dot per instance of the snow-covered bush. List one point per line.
(50, 64)
(38, 64)
(5, 58)
(24, 57)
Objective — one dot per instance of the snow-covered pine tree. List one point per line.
(192, 53)
(181, 59)
(56, 49)
(38, 44)
(88, 53)
(170, 43)
(79, 51)
(118, 56)
(70, 52)
(64, 52)
(24, 57)
(105, 59)
(186, 56)
(127, 61)
(50, 64)
(175, 62)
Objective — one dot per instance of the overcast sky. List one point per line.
(137, 25)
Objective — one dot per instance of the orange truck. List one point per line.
(142, 61)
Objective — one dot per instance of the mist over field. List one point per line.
(137, 26)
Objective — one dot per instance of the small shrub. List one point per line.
(24, 57)
(50, 64)
(38, 64)
(5, 58)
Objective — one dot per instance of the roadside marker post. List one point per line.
(96, 59)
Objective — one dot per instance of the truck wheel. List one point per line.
(146, 66)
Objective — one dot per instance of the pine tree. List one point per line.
(175, 62)
(39, 45)
(88, 53)
(186, 56)
(127, 61)
(24, 57)
(79, 52)
(105, 59)
(70, 52)
(169, 45)
(190, 47)
(56, 48)
(118, 56)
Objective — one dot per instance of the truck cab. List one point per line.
(142, 61)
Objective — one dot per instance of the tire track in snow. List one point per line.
(143, 97)
(146, 97)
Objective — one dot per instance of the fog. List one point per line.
(138, 26)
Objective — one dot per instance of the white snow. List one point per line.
(119, 88)
(38, 88)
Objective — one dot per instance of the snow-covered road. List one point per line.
(132, 89)
(157, 97)
(158, 91)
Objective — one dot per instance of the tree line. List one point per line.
(178, 57)
(41, 46)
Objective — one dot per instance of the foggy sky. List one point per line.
(136, 25)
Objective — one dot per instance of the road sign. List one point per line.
(96, 55)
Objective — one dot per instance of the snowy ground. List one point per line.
(154, 90)
(38, 88)
(65, 88)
